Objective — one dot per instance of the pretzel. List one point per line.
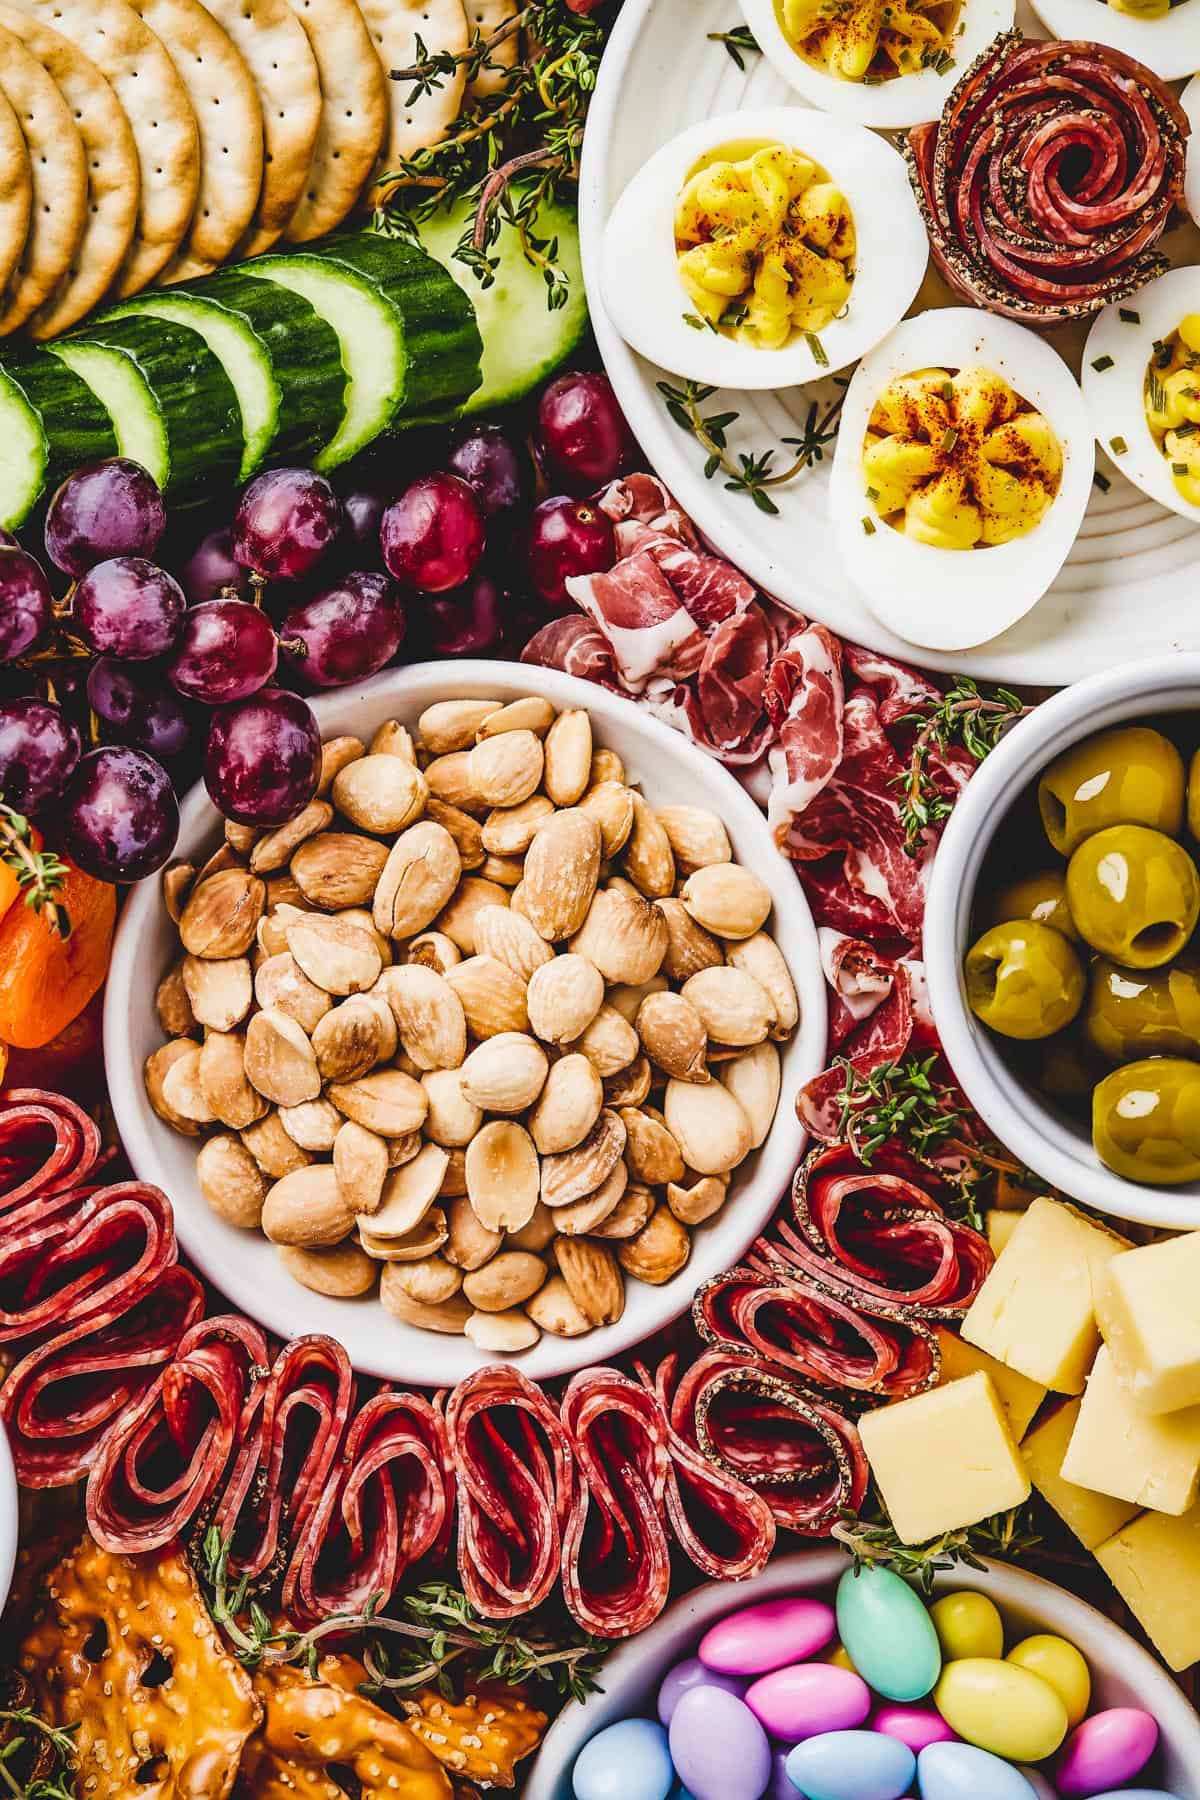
(125, 1650)
(481, 1738)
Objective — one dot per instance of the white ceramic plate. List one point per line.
(242, 1264)
(1130, 582)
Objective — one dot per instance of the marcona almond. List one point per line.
(492, 996)
(221, 914)
(651, 1153)
(408, 1193)
(508, 830)
(625, 936)
(569, 1105)
(629, 1215)
(360, 1160)
(222, 858)
(537, 1234)
(673, 1036)
(457, 918)
(425, 1239)
(709, 1125)
(697, 837)
(394, 739)
(307, 1208)
(727, 899)
(281, 983)
(336, 869)
(272, 929)
(553, 1310)
(172, 1005)
(465, 830)
(754, 1081)
(343, 1271)
(628, 1087)
(647, 858)
(609, 1043)
(506, 1073)
(313, 1125)
(353, 1038)
(285, 890)
(530, 713)
(452, 1119)
(505, 871)
(611, 805)
(470, 1242)
(402, 1150)
(220, 990)
(177, 879)
(420, 873)
(222, 1070)
(501, 1332)
(449, 779)
(449, 1316)
(606, 766)
(504, 770)
(593, 1279)
(339, 957)
(563, 998)
(627, 1000)
(562, 866)
(692, 1205)
(336, 753)
(511, 939)
(454, 1181)
(761, 957)
(280, 1061)
(451, 724)
(732, 1007)
(428, 1013)
(434, 950)
(429, 1281)
(568, 756)
(509, 1279)
(583, 1217)
(502, 1176)
(659, 1250)
(572, 1174)
(276, 848)
(272, 1149)
(689, 947)
(386, 1102)
(158, 1066)
(380, 794)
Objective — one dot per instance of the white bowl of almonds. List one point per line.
(493, 1051)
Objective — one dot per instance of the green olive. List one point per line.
(1133, 1013)
(1041, 896)
(1024, 980)
(1146, 1121)
(1134, 895)
(1130, 776)
(1193, 795)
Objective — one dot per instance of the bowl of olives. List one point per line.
(1062, 941)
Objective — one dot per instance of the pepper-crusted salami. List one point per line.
(1049, 178)
(98, 1258)
(48, 1148)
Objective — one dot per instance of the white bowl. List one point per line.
(1046, 1140)
(9, 1518)
(1123, 1674)
(243, 1265)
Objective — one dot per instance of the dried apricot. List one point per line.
(45, 980)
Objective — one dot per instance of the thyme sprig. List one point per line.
(28, 1743)
(40, 874)
(752, 473)
(873, 1543)
(739, 42)
(962, 718)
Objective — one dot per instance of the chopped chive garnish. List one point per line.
(949, 439)
(1102, 481)
(695, 321)
(1187, 429)
(872, 493)
(947, 390)
(1101, 363)
(1180, 469)
(1156, 393)
(816, 349)
(1118, 446)
(1127, 316)
(1159, 345)
(868, 526)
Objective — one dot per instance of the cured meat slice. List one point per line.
(616, 1558)
(512, 1461)
(48, 1148)
(804, 699)
(574, 645)
(648, 628)
(169, 1452)
(390, 1504)
(99, 1259)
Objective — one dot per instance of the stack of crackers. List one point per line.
(150, 140)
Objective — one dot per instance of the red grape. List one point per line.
(432, 536)
(285, 521)
(263, 759)
(346, 632)
(582, 434)
(120, 817)
(468, 621)
(135, 707)
(104, 509)
(39, 751)
(211, 568)
(227, 650)
(128, 607)
(566, 537)
(494, 467)
(364, 508)
(26, 603)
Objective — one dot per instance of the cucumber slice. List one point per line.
(523, 341)
(408, 339)
(50, 423)
(123, 391)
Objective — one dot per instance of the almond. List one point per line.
(420, 874)
(511, 939)
(314, 1125)
(281, 983)
(727, 899)
(506, 1073)
(336, 869)
(563, 998)
(380, 794)
(231, 1181)
(450, 1316)
(630, 1214)
(501, 1332)
(504, 770)
(659, 1250)
(582, 1217)
(428, 1281)
(351, 1039)
(274, 850)
(627, 1000)
(222, 1073)
(593, 1279)
(285, 890)
(761, 957)
(509, 1279)
(449, 779)
(360, 1161)
(697, 837)
(433, 950)
(502, 1176)
(673, 1036)
(754, 1081)
(452, 1119)
(172, 1005)
(651, 1153)
(386, 1102)
(307, 1208)
(470, 1243)
(492, 996)
(731, 1005)
(530, 713)
(452, 724)
(706, 1196)
(466, 831)
(609, 1043)
(221, 914)
(172, 1077)
(572, 1174)
(568, 757)
(552, 1309)
(505, 871)
(425, 1239)
(280, 1061)
(709, 1125)
(568, 1107)
(454, 1181)
(428, 1013)
(394, 739)
(336, 753)
(177, 879)
(628, 1087)
(342, 1271)
(508, 830)
(408, 1193)
(218, 991)
(647, 858)
(625, 936)
(272, 929)
(562, 866)
(537, 1234)
(611, 805)
(272, 1149)
(689, 947)
(457, 918)
(337, 956)
(606, 766)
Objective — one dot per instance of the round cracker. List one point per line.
(112, 165)
(225, 102)
(354, 115)
(60, 184)
(275, 46)
(484, 17)
(395, 26)
(16, 191)
(160, 116)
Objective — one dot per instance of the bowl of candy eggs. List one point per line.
(820, 1681)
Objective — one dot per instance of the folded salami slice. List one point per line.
(48, 1148)
(512, 1461)
(62, 1398)
(748, 1418)
(726, 1529)
(168, 1453)
(390, 1503)
(77, 1264)
(616, 1557)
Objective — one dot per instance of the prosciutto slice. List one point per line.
(574, 645)
(648, 628)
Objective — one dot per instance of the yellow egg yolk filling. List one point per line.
(1143, 9)
(764, 245)
(871, 40)
(1172, 397)
(959, 461)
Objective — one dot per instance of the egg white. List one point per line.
(901, 100)
(953, 599)
(646, 299)
(1191, 106)
(1115, 397)
(1170, 46)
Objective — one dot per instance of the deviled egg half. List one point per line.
(1141, 382)
(882, 62)
(962, 473)
(1163, 34)
(1190, 101)
(763, 249)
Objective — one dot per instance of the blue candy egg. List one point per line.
(961, 1772)
(719, 1749)
(1136, 1794)
(851, 1765)
(626, 1761)
(888, 1634)
(691, 1673)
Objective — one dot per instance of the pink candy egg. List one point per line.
(807, 1699)
(915, 1726)
(767, 1636)
(1106, 1751)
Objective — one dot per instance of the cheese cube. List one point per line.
(1150, 1316)
(1092, 1517)
(1000, 1227)
(944, 1459)
(1019, 1396)
(1114, 1449)
(1154, 1564)
(1036, 1310)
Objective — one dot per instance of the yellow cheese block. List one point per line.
(1114, 1449)
(1036, 1310)
(944, 1459)
(1154, 1564)
(1019, 1396)
(1148, 1312)
(1000, 1227)
(1092, 1517)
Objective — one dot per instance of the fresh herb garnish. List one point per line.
(816, 349)
(39, 873)
(739, 42)
(1102, 363)
(697, 323)
(1156, 393)
(1118, 446)
(963, 717)
(873, 1543)
(751, 473)
(949, 440)
(868, 526)
(1180, 469)
(37, 1760)
(1102, 482)
(1127, 316)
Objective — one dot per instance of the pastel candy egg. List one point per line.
(915, 1726)
(626, 1761)
(1061, 1664)
(851, 1765)
(1002, 1708)
(1107, 1749)
(807, 1699)
(1038, 1783)
(767, 1636)
(962, 1772)
(839, 1658)
(719, 1749)
(967, 1625)
(687, 1675)
(888, 1634)
(1136, 1794)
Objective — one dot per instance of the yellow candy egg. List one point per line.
(967, 1625)
(999, 1706)
(1061, 1664)
(840, 1659)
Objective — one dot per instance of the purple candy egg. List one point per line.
(915, 1726)
(689, 1674)
(807, 1699)
(719, 1749)
(767, 1636)
(1106, 1750)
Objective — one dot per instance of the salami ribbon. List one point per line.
(616, 1559)
(98, 1259)
(1049, 178)
(48, 1148)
